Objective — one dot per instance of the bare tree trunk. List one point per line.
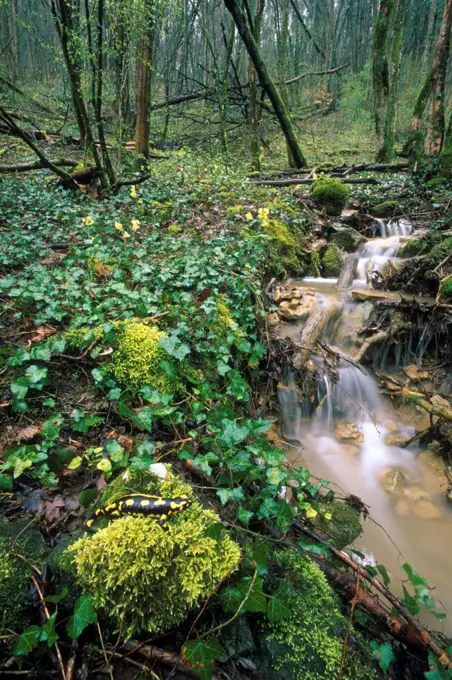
(99, 92)
(380, 70)
(253, 115)
(282, 66)
(14, 32)
(143, 98)
(266, 81)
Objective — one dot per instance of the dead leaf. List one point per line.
(27, 433)
(53, 258)
(106, 352)
(41, 333)
(126, 441)
(101, 481)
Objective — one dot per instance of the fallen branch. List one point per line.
(291, 182)
(377, 337)
(157, 654)
(26, 167)
(419, 400)
(311, 333)
(419, 636)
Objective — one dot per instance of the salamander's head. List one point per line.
(180, 503)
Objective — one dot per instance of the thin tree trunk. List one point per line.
(143, 99)
(253, 115)
(99, 92)
(266, 81)
(282, 66)
(380, 71)
(224, 92)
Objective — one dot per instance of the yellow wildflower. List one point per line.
(263, 213)
(135, 225)
(133, 191)
(118, 226)
(140, 200)
(248, 216)
(126, 234)
(88, 221)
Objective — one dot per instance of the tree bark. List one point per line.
(266, 81)
(143, 97)
(380, 72)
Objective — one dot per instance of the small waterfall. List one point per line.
(354, 396)
(394, 228)
(376, 254)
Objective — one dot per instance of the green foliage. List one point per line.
(445, 290)
(84, 614)
(148, 579)
(445, 157)
(331, 194)
(308, 644)
(333, 260)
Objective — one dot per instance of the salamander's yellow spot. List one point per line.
(144, 504)
(90, 523)
(163, 517)
(176, 506)
(130, 502)
(158, 503)
(116, 513)
(109, 508)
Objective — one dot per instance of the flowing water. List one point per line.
(352, 440)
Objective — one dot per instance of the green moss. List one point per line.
(439, 253)
(24, 538)
(234, 210)
(344, 526)
(445, 290)
(445, 159)
(386, 208)
(419, 246)
(333, 260)
(136, 359)
(174, 229)
(280, 233)
(314, 266)
(331, 193)
(148, 579)
(308, 645)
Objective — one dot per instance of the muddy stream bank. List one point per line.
(348, 431)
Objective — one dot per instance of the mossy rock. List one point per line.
(445, 159)
(419, 246)
(145, 578)
(333, 260)
(445, 291)
(285, 253)
(344, 526)
(331, 194)
(24, 538)
(308, 644)
(347, 238)
(438, 253)
(386, 208)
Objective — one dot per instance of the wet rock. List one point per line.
(385, 209)
(347, 432)
(426, 509)
(297, 308)
(439, 401)
(393, 480)
(414, 373)
(273, 319)
(347, 238)
(416, 493)
(287, 293)
(319, 244)
(392, 427)
(431, 462)
(396, 439)
(343, 526)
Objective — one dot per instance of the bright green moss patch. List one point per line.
(386, 209)
(331, 194)
(280, 233)
(439, 253)
(145, 578)
(308, 645)
(333, 260)
(445, 290)
(343, 526)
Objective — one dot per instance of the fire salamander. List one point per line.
(138, 505)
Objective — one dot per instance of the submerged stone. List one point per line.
(348, 431)
(393, 480)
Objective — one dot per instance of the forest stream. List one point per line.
(354, 437)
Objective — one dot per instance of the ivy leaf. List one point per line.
(231, 433)
(256, 601)
(48, 632)
(174, 347)
(285, 516)
(51, 427)
(202, 655)
(84, 614)
(384, 653)
(313, 547)
(6, 483)
(230, 599)
(278, 607)
(230, 494)
(54, 599)
(75, 463)
(35, 374)
(20, 388)
(27, 641)
(85, 424)
(384, 574)
(104, 465)
(416, 579)
(20, 465)
(238, 387)
(244, 515)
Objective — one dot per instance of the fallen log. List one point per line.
(377, 337)
(38, 165)
(419, 635)
(311, 333)
(419, 400)
(291, 182)
(152, 653)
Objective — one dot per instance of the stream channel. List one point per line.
(352, 439)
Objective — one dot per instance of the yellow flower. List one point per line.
(140, 200)
(88, 221)
(118, 226)
(135, 225)
(263, 213)
(133, 191)
(248, 216)
(126, 234)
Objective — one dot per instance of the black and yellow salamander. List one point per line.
(139, 505)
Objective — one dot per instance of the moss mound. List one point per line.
(445, 291)
(419, 246)
(386, 208)
(25, 539)
(331, 194)
(308, 645)
(333, 260)
(137, 358)
(146, 578)
(439, 253)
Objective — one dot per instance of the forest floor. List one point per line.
(186, 255)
